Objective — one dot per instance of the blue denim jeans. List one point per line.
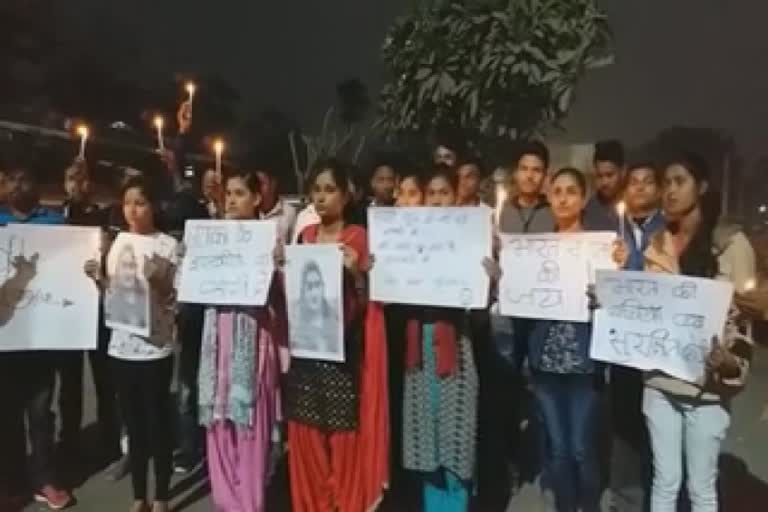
(568, 405)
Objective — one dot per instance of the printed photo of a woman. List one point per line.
(315, 322)
(127, 297)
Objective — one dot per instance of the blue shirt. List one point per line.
(40, 215)
(638, 236)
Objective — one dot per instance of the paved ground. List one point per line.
(744, 467)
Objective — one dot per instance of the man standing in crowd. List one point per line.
(469, 173)
(186, 203)
(211, 191)
(526, 212)
(384, 176)
(80, 210)
(28, 379)
(600, 213)
(631, 454)
(272, 205)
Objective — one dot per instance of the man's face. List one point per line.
(444, 155)
(529, 175)
(211, 185)
(383, 184)
(469, 183)
(642, 193)
(22, 191)
(76, 184)
(608, 180)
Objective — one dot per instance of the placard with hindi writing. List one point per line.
(228, 262)
(654, 321)
(546, 275)
(430, 256)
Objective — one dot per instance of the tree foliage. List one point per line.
(497, 68)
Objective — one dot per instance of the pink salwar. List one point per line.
(238, 457)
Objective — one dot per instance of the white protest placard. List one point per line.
(546, 275)
(653, 321)
(128, 297)
(228, 262)
(46, 300)
(430, 256)
(313, 285)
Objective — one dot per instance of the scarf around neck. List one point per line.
(236, 402)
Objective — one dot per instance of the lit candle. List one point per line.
(501, 198)
(159, 126)
(621, 208)
(218, 149)
(191, 88)
(750, 285)
(82, 131)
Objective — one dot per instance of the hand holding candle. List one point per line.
(82, 131)
(159, 126)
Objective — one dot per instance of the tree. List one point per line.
(498, 69)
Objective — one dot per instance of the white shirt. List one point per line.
(285, 214)
(160, 344)
(307, 217)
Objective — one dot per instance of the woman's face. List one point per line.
(127, 269)
(314, 291)
(138, 211)
(329, 199)
(242, 202)
(409, 193)
(440, 192)
(567, 198)
(681, 192)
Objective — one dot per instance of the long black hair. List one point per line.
(150, 192)
(698, 258)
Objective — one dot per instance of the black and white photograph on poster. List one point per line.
(127, 298)
(313, 281)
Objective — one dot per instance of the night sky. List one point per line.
(681, 62)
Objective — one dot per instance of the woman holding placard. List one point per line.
(241, 358)
(692, 418)
(337, 412)
(441, 389)
(144, 364)
(564, 376)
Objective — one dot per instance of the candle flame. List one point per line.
(218, 146)
(159, 122)
(82, 131)
(191, 88)
(750, 285)
(621, 207)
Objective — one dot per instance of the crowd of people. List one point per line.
(434, 400)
